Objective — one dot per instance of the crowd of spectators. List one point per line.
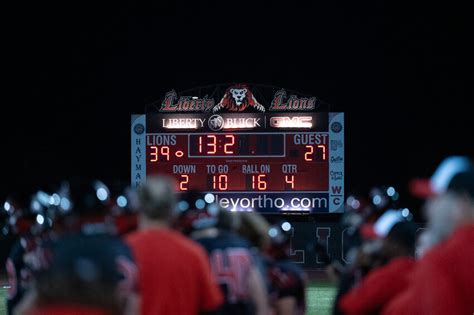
(89, 248)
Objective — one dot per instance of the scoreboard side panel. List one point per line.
(336, 162)
(138, 153)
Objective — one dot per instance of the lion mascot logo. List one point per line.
(238, 98)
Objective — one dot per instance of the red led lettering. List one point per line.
(231, 143)
(165, 150)
(183, 182)
(323, 149)
(154, 153)
(290, 179)
(308, 153)
(213, 144)
(258, 182)
(219, 182)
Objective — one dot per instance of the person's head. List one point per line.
(254, 227)
(280, 236)
(228, 220)
(400, 240)
(450, 196)
(453, 208)
(82, 270)
(157, 199)
(197, 215)
(440, 181)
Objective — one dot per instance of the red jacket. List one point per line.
(174, 274)
(377, 288)
(442, 281)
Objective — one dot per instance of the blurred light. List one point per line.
(35, 205)
(350, 200)
(102, 194)
(395, 196)
(286, 226)
(405, 212)
(355, 204)
(391, 191)
(200, 204)
(122, 201)
(6, 206)
(56, 199)
(213, 209)
(51, 200)
(65, 204)
(272, 232)
(5, 231)
(209, 198)
(183, 205)
(376, 200)
(40, 219)
(43, 197)
(194, 97)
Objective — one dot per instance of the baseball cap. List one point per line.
(382, 226)
(440, 180)
(463, 183)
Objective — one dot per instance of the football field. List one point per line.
(319, 299)
(3, 307)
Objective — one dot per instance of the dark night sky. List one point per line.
(403, 76)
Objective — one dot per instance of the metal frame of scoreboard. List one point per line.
(245, 150)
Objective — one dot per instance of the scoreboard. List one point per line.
(281, 157)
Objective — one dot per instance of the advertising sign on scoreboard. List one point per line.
(284, 156)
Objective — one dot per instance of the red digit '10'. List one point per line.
(219, 182)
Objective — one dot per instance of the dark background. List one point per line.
(401, 73)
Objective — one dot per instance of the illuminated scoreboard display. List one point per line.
(281, 157)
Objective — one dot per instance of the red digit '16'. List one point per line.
(258, 182)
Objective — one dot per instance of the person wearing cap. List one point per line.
(174, 273)
(367, 222)
(232, 262)
(442, 281)
(29, 221)
(83, 269)
(82, 274)
(397, 258)
(287, 279)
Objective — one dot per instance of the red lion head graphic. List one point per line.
(237, 98)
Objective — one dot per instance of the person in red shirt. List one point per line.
(174, 272)
(442, 281)
(381, 284)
